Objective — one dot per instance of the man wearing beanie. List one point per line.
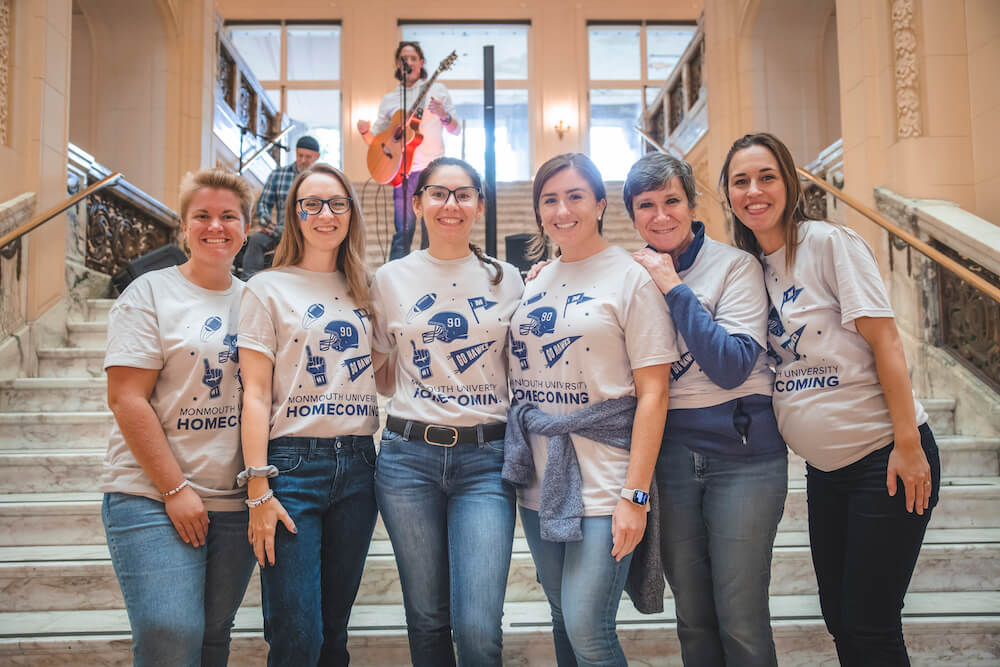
(273, 198)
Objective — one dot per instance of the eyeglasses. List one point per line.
(314, 205)
(466, 195)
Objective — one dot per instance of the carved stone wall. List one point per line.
(904, 40)
(5, 44)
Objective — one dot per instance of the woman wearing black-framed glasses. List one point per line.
(444, 314)
(309, 412)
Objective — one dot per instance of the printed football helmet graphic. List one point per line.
(343, 336)
(543, 321)
(448, 327)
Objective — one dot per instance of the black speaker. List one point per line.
(161, 258)
(517, 251)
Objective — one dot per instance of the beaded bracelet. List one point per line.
(174, 492)
(257, 502)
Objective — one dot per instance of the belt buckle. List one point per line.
(451, 429)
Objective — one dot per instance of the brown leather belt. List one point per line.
(446, 436)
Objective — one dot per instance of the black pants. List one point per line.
(864, 548)
(255, 255)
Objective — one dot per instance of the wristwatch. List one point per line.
(637, 496)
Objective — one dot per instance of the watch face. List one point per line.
(640, 497)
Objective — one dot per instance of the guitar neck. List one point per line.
(423, 94)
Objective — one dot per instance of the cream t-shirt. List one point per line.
(448, 325)
(729, 284)
(579, 331)
(165, 322)
(829, 403)
(318, 338)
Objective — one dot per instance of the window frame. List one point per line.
(526, 83)
(647, 87)
(283, 84)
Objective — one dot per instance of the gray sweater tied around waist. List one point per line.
(560, 508)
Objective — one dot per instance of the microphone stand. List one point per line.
(405, 69)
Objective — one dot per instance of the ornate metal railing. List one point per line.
(678, 115)
(118, 224)
(961, 309)
(245, 118)
(829, 167)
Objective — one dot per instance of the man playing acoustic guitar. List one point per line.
(438, 115)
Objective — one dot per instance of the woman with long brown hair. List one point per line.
(309, 411)
(843, 400)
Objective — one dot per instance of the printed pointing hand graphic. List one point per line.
(422, 360)
(519, 350)
(212, 379)
(316, 365)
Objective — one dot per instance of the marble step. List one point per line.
(53, 394)
(97, 309)
(76, 468)
(74, 517)
(87, 334)
(961, 456)
(71, 362)
(70, 431)
(940, 628)
(81, 577)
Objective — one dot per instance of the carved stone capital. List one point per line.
(5, 34)
(904, 39)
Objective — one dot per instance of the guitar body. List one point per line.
(385, 154)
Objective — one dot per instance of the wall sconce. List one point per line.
(561, 128)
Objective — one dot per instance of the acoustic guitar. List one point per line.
(385, 154)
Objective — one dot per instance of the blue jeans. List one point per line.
(181, 600)
(864, 547)
(718, 519)
(584, 585)
(405, 220)
(327, 485)
(451, 521)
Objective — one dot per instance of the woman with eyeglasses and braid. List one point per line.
(444, 314)
(309, 412)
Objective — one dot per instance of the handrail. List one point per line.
(936, 255)
(40, 220)
(273, 140)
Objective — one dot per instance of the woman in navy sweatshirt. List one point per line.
(722, 471)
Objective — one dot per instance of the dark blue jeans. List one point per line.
(405, 220)
(181, 600)
(718, 520)
(864, 548)
(327, 485)
(451, 521)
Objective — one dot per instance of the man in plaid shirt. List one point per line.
(273, 197)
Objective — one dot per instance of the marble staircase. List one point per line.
(62, 604)
(515, 215)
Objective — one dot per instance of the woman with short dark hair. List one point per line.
(723, 469)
